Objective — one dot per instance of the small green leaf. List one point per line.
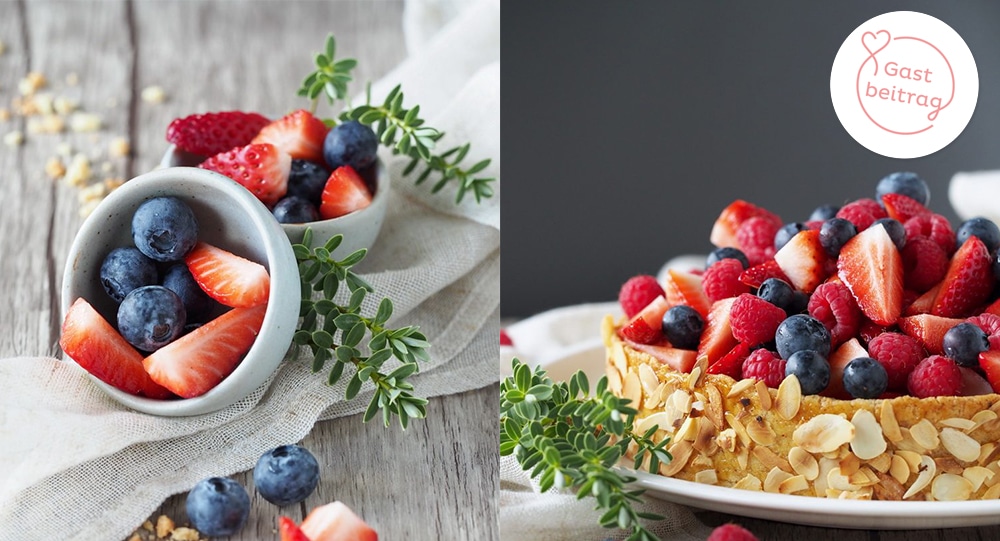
(357, 297)
(353, 387)
(384, 312)
(322, 339)
(354, 336)
(335, 373)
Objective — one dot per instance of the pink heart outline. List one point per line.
(874, 36)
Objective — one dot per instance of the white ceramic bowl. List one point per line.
(228, 216)
(359, 228)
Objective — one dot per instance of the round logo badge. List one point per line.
(904, 84)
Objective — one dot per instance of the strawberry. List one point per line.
(717, 339)
(722, 280)
(753, 320)
(935, 376)
(724, 230)
(803, 260)
(924, 303)
(299, 134)
(968, 282)
(336, 522)
(899, 354)
(637, 292)
(989, 361)
(227, 277)
(993, 308)
(972, 383)
(834, 306)
(686, 288)
(681, 360)
(756, 275)
(262, 169)
(93, 343)
(290, 531)
(731, 364)
(731, 532)
(871, 267)
(901, 208)
(847, 352)
(345, 192)
(862, 213)
(928, 330)
(196, 362)
(637, 330)
(208, 134)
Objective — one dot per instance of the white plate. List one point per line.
(811, 511)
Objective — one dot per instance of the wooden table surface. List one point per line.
(438, 479)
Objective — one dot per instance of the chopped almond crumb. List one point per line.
(72, 79)
(185, 534)
(135, 537)
(153, 94)
(78, 172)
(13, 139)
(148, 526)
(64, 149)
(4, 114)
(31, 83)
(119, 147)
(85, 122)
(54, 168)
(92, 192)
(87, 208)
(64, 105)
(113, 183)
(46, 124)
(164, 525)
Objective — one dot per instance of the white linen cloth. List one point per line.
(77, 465)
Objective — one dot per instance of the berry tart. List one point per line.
(853, 355)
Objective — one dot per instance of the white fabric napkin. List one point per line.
(76, 465)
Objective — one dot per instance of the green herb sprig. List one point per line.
(569, 438)
(334, 332)
(330, 78)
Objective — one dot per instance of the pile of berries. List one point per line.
(301, 169)
(877, 298)
(167, 286)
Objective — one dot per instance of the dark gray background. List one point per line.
(630, 125)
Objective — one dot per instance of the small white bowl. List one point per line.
(359, 228)
(228, 216)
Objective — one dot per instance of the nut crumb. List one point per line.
(87, 208)
(164, 525)
(135, 537)
(47, 123)
(72, 79)
(85, 122)
(78, 172)
(13, 139)
(33, 82)
(64, 149)
(113, 183)
(4, 114)
(148, 526)
(154, 94)
(64, 106)
(185, 534)
(54, 168)
(119, 147)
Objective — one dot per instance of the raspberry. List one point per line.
(862, 213)
(933, 226)
(898, 353)
(722, 280)
(754, 320)
(766, 366)
(638, 292)
(935, 376)
(834, 306)
(755, 237)
(731, 532)
(989, 323)
(924, 263)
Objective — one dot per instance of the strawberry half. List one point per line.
(902, 208)
(968, 283)
(262, 169)
(989, 361)
(300, 134)
(196, 362)
(803, 260)
(289, 530)
(928, 329)
(208, 134)
(717, 339)
(757, 274)
(646, 327)
(93, 343)
(847, 352)
(227, 277)
(344, 193)
(686, 288)
(731, 364)
(724, 230)
(681, 360)
(336, 522)
(871, 267)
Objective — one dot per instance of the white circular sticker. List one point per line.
(904, 84)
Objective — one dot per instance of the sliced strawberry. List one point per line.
(227, 277)
(93, 343)
(300, 134)
(290, 531)
(902, 208)
(847, 352)
(724, 229)
(345, 192)
(989, 361)
(717, 339)
(871, 267)
(993, 308)
(803, 260)
(968, 283)
(686, 288)
(336, 522)
(262, 169)
(973, 384)
(924, 303)
(196, 362)
(681, 360)
(756, 275)
(731, 364)
(638, 330)
(208, 134)
(928, 329)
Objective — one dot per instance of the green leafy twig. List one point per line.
(330, 78)
(334, 333)
(568, 438)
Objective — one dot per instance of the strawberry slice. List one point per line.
(757, 274)
(847, 352)
(93, 343)
(902, 208)
(803, 260)
(993, 308)
(208, 134)
(336, 522)
(262, 169)
(973, 384)
(871, 267)
(196, 362)
(289, 530)
(928, 329)
(344, 193)
(717, 339)
(686, 288)
(646, 327)
(227, 277)
(989, 361)
(731, 364)
(968, 282)
(724, 230)
(681, 360)
(300, 134)
(924, 303)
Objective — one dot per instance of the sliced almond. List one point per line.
(823, 433)
(849, 464)
(677, 406)
(925, 434)
(992, 493)
(793, 484)
(868, 442)
(899, 469)
(704, 441)
(863, 477)
(688, 430)
(681, 452)
(708, 477)
(774, 479)
(654, 399)
(890, 427)
(743, 458)
(977, 475)
(951, 488)
(760, 432)
(727, 440)
(881, 463)
(740, 386)
(825, 466)
(632, 389)
(947, 464)
(789, 398)
(695, 377)
(960, 423)
(763, 395)
(863, 493)
(888, 488)
(770, 459)
(701, 462)
(614, 378)
(912, 459)
(838, 481)
(983, 417)
(960, 445)
(715, 405)
(927, 472)
(749, 482)
(659, 419)
(608, 332)
(985, 452)
(741, 430)
(618, 358)
(908, 443)
(803, 463)
(648, 379)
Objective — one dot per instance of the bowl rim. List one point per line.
(280, 318)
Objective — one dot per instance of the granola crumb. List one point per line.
(148, 526)
(64, 149)
(154, 94)
(185, 534)
(164, 526)
(54, 168)
(85, 122)
(72, 79)
(47, 123)
(64, 105)
(92, 192)
(119, 147)
(33, 82)
(113, 183)
(135, 537)
(78, 172)
(4, 114)
(87, 208)
(13, 139)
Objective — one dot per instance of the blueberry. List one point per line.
(824, 213)
(151, 317)
(802, 332)
(963, 343)
(865, 377)
(719, 254)
(799, 304)
(895, 230)
(811, 368)
(164, 228)
(197, 303)
(307, 180)
(904, 183)
(777, 292)
(350, 143)
(218, 506)
(286, 475)
(295, 210)
(683, 325)
(125, 269)
(996, 265)
(834, 234)
(982, 228)
(786, 233)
